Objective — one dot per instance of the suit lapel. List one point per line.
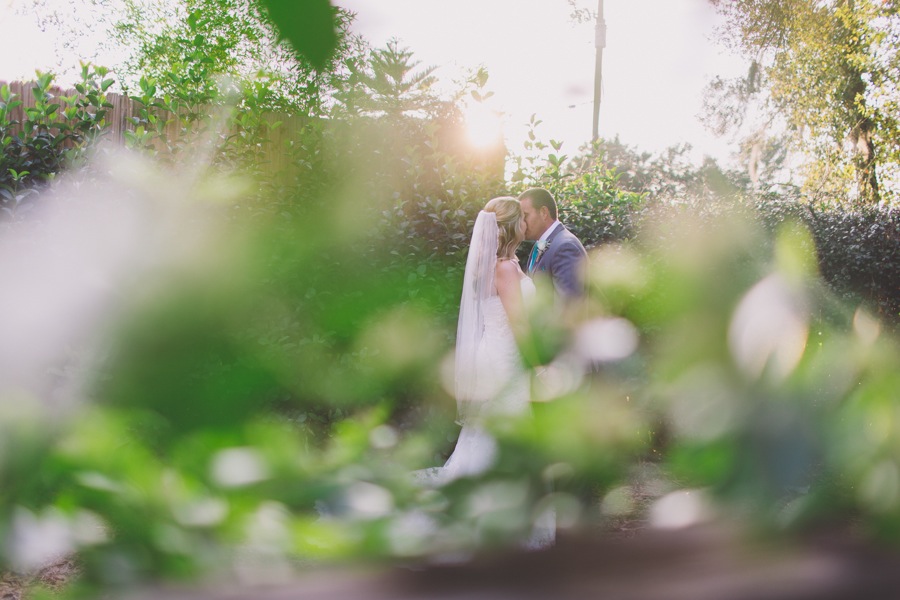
(550, 238)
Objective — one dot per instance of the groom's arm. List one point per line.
(568, 269)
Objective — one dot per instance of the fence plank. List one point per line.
(120, 118)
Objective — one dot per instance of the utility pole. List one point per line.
(600, 44)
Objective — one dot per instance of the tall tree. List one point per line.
(391, 83)
(199, 40)
(824, 68)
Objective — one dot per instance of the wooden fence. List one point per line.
(121, 118)
(118, 119)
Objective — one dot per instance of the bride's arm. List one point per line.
(506, 279)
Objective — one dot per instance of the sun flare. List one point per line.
(483, 126)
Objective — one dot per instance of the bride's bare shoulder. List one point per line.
(508, 267)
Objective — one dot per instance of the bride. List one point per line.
(490, 381)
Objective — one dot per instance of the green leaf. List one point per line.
(308, 26)
(193, 18)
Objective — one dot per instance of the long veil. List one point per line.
(478, 285)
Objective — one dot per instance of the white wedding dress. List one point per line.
(501, 388)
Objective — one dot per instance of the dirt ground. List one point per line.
(53, 577)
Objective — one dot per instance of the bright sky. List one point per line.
(659, 55)
(24, 47)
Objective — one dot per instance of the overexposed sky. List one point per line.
(659, 54)
(19, 44)
(25, 47)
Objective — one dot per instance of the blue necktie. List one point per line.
(532, 258)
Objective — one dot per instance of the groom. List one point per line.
(557, 252)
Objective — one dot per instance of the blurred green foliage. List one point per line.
(309, 29)
(271, 400)
(267, 388)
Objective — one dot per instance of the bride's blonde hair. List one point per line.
(509, 214)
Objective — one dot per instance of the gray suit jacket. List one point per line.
(564, 260)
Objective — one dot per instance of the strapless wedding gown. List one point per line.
(502, 388)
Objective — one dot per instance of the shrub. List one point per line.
(859, 255)
(858, 251)
(54, 133)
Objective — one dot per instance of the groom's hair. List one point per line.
(540, 197)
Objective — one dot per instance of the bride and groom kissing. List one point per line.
(491, 380)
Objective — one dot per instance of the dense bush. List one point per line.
(55, 133)
(857, 250)
(859, 256)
